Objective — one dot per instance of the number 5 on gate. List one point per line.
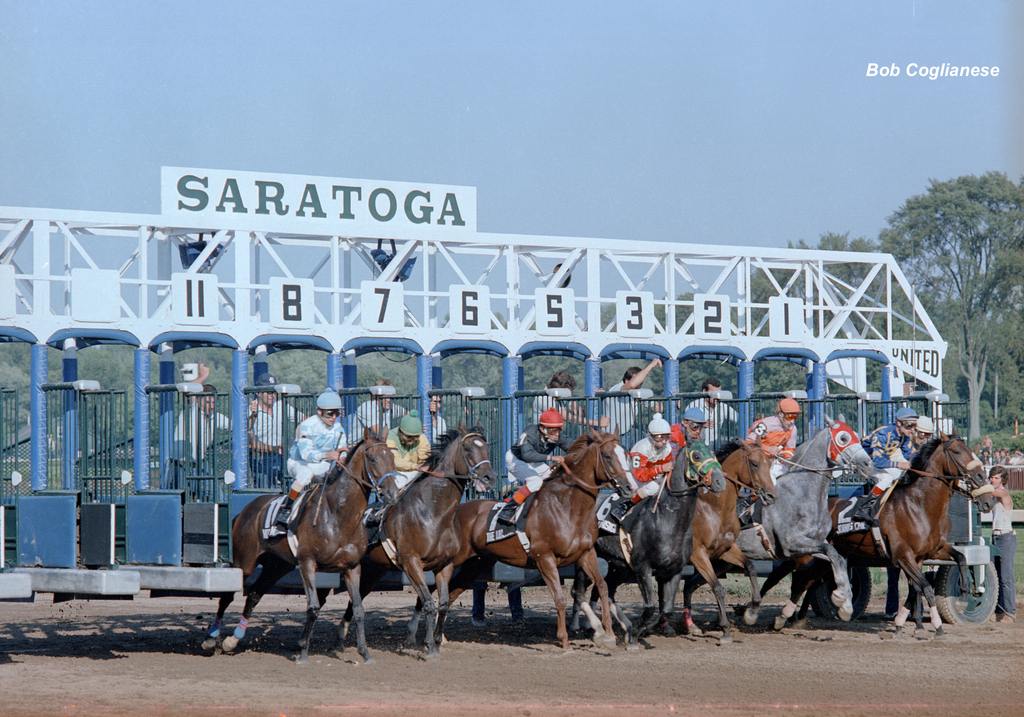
(382, 306)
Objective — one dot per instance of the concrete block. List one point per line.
(82, 582)
(200, 580)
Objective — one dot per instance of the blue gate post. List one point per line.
(349, 379)
(744, 390)
(69, 373)
(260, 370)
(591, 382)
(37, 405)
(509, 385)
(817, 388)
(165, 402)
(887, 413)
(671, 368)
(140, 442)
(239, 418)
(334, 371)
(424, 371)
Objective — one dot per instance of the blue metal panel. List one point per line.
(744, 390)
(334, 372)
(554, 348)
(787, 353)
(456, 346)
(671, 368)
(182, 340)
(37, 407)
(141, 426)
(239, 418)
(165, 437)
(286, 342)
(241, 498)
(153, 526)
(367, 344)
(47, 530)
(509, 385)
(633, 351)
(9, 334)
(260, 371)
(93, 337)
(424, 370)
(869, 354)
(713, 352)
(436, 373)
(69, 372)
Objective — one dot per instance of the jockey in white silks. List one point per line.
(319, 442)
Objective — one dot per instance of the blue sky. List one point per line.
(725, 123)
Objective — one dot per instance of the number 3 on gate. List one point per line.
(383, 306)
(469, 308)
(634, 313)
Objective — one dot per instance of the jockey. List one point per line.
(320, 440)
(691, 429)
(410, 447)
(777, 434)
(924, 431)
(651, 458)
(530, 460)
(890, 447)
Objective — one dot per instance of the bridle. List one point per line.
(472, 470)
(606, 466)
(697, 472)
(752, 468)
(368, 484)
(955, 483)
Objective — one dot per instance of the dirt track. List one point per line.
(116, 658)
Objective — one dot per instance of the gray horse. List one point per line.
(797, 524)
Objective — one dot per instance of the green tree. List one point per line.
(961, 243)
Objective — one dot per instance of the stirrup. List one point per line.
(283, 516)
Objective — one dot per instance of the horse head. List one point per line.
(609, 461)
(701, 466)
(758, 473)
(845, 449)
(472, 458)
(958, 461)
(369, 463)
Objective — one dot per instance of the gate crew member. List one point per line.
(924, 431)
(651, 458)
(890, 447)
(410, 447)
(319, 441)
(531, 459)
(777, 435)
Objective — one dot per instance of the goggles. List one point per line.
(328, 412)
(791, 416)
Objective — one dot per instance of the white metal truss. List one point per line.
(848, 300)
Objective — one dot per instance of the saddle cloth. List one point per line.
(497, 530)
(270, 530)
(846, 524)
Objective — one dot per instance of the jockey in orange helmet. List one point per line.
(777, 434)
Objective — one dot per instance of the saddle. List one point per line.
(514, 523)
(373, 519)
(749, 509)
(615, 516)
(846, 523)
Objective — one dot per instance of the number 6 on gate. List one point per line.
(469, 308)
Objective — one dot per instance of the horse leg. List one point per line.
(842, 596)
(441, 579)
(645, 581)
(702, 564)
(414, 569)
(690, 586)
(273, 570)
(355, 595)
(548, 568)
(774, 578)
(603, 634)
(750, 614)
(579, 591)
(213, 634)
(307, 569)
(369, 576)
(796, 590)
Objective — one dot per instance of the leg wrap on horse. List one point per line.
(215, 628)
(243, 624)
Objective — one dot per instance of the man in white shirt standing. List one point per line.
(717, 412)
(622, 409)
(378, 414)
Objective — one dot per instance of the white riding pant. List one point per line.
(303, 473)
(885, 477)
(648, 489)
(777, 469)
(404, 478)
(532, 475)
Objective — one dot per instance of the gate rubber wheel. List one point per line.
(958, 609)
(860, 584)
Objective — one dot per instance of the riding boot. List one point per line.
(865, 509)
(284, 513)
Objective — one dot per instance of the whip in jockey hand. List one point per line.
(320, 441)
(532, 458)
(890, 447)
(651, 458)
(777, 434)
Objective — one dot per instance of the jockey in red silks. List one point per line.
(651, 458)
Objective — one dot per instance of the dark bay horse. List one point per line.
(561, 527)
(421, 526)
(659, 529)
(716, 528)
(331, 537)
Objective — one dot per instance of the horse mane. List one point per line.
(728, 449)
(921, 459)
(443, 442)
(580, 445)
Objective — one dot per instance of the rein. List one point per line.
(472, 471)
(954, 482)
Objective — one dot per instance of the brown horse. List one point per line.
(914, 523)
(716, 528)
(331, 537)
(421, 527)
(561, 527)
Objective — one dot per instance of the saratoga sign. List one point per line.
(221, 198)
